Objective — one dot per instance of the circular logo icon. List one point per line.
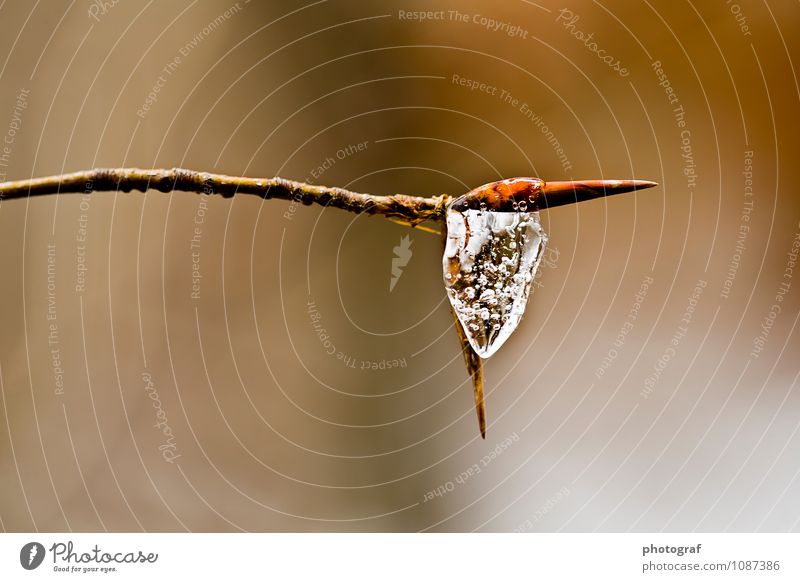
(31, 555)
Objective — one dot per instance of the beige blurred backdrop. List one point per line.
(172, 363)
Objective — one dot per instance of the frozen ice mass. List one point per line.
(490, 261)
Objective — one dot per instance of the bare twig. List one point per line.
(503, 196)
(475, 370)
(411, 209)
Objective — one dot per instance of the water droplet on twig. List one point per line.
(498, 253)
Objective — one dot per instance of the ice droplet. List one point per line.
(499, 253)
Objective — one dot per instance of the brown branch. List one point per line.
(411, 209)
(502, 196)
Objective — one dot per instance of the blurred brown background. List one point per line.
(272, 424)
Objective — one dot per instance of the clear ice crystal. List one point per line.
(490, 261)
